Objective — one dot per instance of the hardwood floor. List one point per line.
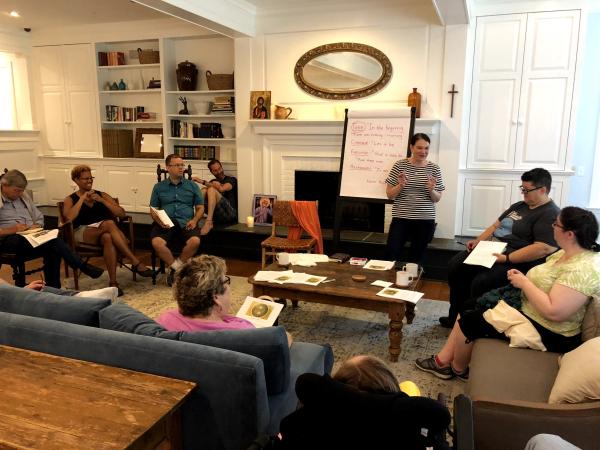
(435, 290)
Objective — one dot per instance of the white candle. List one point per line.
(250, 221)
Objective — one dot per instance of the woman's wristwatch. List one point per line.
(507, 258)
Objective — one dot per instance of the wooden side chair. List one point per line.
(161, 174)
(17, 261)
(284, 217)
(91, 250)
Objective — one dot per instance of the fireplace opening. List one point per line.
(323, 186)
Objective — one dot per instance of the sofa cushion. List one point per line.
(500, 371)
(269, 344)
(590, 328)
(578, 378)
(122, 317)
(27, 302)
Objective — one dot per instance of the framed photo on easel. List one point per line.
(260, 104)
(262, 209)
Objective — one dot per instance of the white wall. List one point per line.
(428, 57)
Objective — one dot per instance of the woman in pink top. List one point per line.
(203, 295)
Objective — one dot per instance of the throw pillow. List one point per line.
(46, 305)
(122, 317)
(578, 378)
(590, 328)
(269, 344)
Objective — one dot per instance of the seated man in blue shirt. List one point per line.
(182, 201)
(17, 214)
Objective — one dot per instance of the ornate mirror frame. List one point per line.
(343, 47)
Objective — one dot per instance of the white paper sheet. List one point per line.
(307, 259)
(376, 264)
(40, 237)
(382, 283)
(163, 217)
(261, 313)
(483, 253)
(401, 294)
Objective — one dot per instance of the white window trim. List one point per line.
(595, 187)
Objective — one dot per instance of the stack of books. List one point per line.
(111, 58)
(182, 129)
(201, 152)
(223, 105)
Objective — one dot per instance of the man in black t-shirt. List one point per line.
(526, 227)
(220, 197)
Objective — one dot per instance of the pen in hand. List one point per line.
(461, 243)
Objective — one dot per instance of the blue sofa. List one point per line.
(245, 379)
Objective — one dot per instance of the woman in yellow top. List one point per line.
(554, 297)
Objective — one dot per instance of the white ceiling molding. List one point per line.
(452, 12)
(233, 18)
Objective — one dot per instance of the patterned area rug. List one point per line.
(349, 331)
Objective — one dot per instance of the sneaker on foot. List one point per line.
(171, 277)
(462, 376)
(429, 365)
(446, 322)
(91, 271)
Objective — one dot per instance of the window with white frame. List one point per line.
(8, 113)
(595, 188)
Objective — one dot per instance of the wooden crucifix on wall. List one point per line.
(452, 92)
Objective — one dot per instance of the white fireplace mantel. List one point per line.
(324, 127)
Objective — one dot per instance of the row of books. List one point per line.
(117, 143)
(202, 152)
(223, 105)
(115, 113)
(182, 129)
(111, 58)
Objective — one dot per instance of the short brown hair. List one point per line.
(78, 170)
(369, 374)
(197, 283)
(172, 156)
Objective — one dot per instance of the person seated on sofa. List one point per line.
(42, 288)
(92, 212)
(361, 406)
(553, 297)
(203, 295)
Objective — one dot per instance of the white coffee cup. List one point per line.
(402, 278)
(412, 269)
(283, 258)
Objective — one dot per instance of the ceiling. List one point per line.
(37, 14)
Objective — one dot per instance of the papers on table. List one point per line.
(163, 217)
(376, 264)
(483, 253)
(381, 283)
(261, 313)
(400, 294)
(39, 236)
(288, 276)
(307, 259)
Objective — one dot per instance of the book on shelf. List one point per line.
(113, 58)
(182, 129)
(117, 143)
(200, 152)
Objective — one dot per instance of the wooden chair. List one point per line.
(284, 217)
(90, 250)
(161, 174)
(17, 262)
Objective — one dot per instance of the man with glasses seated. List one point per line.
(182, 201)
(526, 227)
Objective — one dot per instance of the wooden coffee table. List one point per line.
(50, 402)
(344, 291)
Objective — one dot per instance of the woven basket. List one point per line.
(219, 81)
(148, 56)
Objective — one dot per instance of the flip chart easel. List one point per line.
(372, 142)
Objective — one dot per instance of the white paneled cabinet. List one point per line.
(68, 99)
(131, 184)
(523, 76)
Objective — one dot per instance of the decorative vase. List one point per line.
(414, 99)
(122, 85)
(187, 76)
(114, 86)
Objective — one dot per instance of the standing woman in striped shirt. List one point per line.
(415, 185)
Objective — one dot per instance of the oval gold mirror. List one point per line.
(342, 71)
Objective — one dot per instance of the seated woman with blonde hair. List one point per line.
(92, 213)
(553, 297)
(203, 294)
